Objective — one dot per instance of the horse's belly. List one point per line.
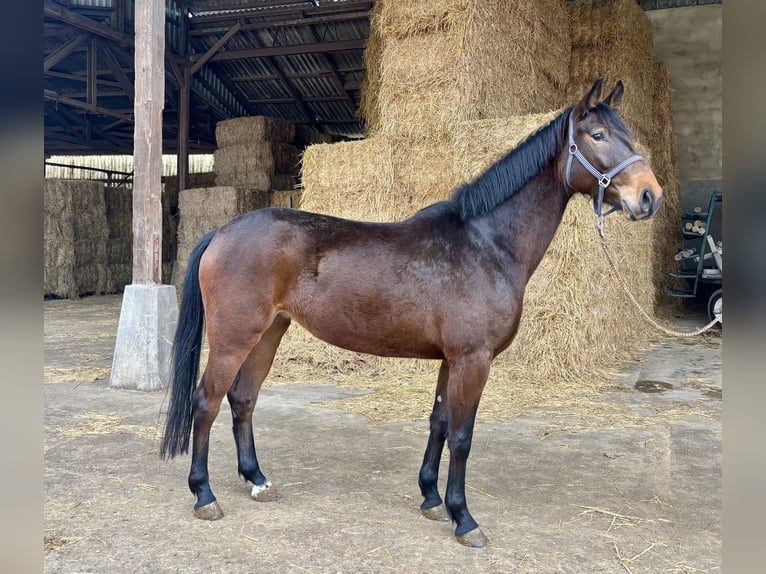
(386, 336)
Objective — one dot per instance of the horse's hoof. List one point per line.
(210, 511)
(264, 493)
(474, 538)
(438, 513)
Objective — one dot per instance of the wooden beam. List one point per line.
(72, 46)
(300, 11)
(91, 86)
(305, 21)
(116, 68)
(184, 105)
(56, 97)
(147, 141)
(57, 11)
(336, 46)
(215, 47)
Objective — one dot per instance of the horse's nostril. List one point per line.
(647, 199)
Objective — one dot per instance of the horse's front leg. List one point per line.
(428, 478)
(467, 377)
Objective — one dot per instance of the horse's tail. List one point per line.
(185, 359)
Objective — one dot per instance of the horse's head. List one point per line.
(602, 160)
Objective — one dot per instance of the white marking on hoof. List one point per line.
(438, 398)
(258, 488)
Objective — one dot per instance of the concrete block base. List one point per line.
(145, 334)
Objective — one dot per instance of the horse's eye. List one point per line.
(598, 136)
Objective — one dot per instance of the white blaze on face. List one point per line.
(258, 488)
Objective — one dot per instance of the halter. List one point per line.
(604, 179)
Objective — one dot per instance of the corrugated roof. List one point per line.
(299, 60)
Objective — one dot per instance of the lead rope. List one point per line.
(621, 281)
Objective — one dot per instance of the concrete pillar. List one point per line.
(145, 338)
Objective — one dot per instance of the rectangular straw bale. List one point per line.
(254, 179)
(259, 157)
(349, 179)
(237, 131)
(421, 94)
(75, 238)
(613, 39)
(501, 58)
(378, 179)
(606, 23)
(204, 209)
(479, 143)
(119, 211)
(516, 57)
(400, 20)
(58, 241)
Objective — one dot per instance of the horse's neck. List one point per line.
(524, 225)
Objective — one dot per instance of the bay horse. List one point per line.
(446, 284)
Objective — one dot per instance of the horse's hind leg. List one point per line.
(219, 375)
(432, 506)
(242, 397)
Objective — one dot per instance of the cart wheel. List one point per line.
(715, 306)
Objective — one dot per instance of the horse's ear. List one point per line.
(594, 96)
(614, 98)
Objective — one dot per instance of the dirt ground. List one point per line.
(551, 497)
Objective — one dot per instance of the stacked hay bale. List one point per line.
(255, 153)
(119, 215)
(75, 234)
(432, 65)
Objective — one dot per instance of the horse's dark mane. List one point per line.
(510, 173)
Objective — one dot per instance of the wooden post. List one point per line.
(147, 141)
(149, 309)
(184, 100)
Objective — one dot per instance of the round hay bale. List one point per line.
(237, 131)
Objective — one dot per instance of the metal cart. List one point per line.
(701, 262)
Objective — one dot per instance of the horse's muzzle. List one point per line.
(647, 205)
